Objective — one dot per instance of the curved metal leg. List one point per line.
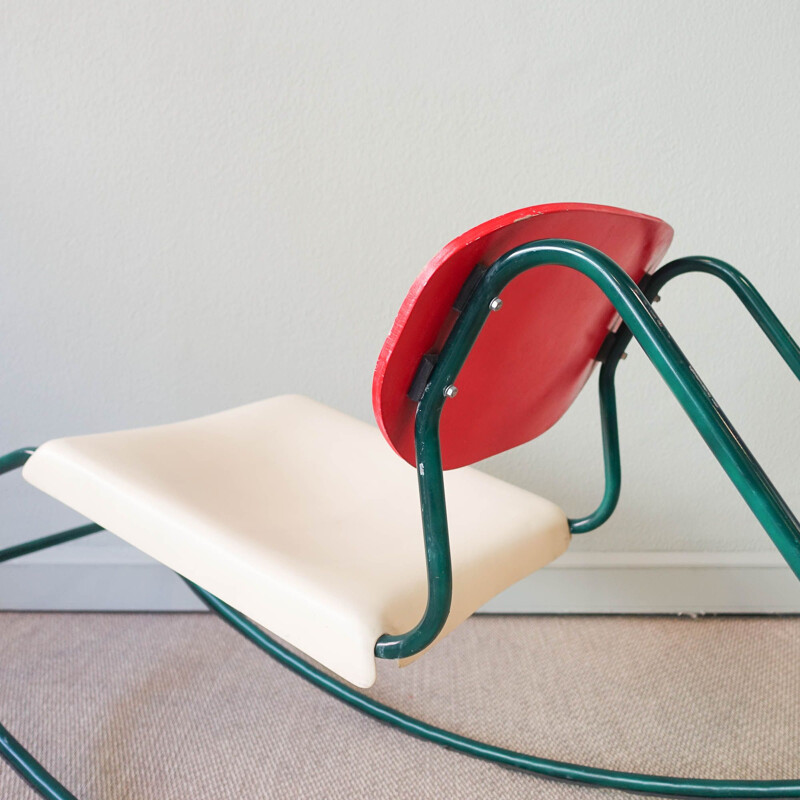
(612, 779)
(30, 770)
(48, 787)
(20, 760)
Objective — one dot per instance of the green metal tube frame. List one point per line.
(618, 341)
(29, 769)
(639, 320)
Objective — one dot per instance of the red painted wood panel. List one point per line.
(533, 356)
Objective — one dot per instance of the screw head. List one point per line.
(623, 356)
(496, 304)
(450, 391)
(657, 298)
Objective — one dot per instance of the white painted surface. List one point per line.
(207, 204)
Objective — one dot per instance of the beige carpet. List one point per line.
(160, 707)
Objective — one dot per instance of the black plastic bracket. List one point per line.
(428, 361)
(469, 287)
(422, 376)
(605, 348)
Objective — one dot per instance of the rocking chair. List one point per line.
(288, 516)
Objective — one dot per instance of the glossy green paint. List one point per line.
(15, 459)
(651, 285)
(430, 478)
(48, 541)
(610, 429)
(28, 768)
(611, 779)
(763, 315)
(49, 788)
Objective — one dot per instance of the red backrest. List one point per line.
(535, 354)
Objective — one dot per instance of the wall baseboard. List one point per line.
(656, 583)
(85, 578)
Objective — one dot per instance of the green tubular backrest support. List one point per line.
(640, 321)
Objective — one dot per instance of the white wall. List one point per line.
(203, 204)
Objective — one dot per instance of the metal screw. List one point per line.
(623, 356)
(450, 391)
(496, 304)
(657, 298)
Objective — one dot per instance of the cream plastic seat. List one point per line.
(302, 518)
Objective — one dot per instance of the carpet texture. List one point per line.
(177, 706)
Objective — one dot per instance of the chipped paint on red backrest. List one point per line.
(533, 356)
